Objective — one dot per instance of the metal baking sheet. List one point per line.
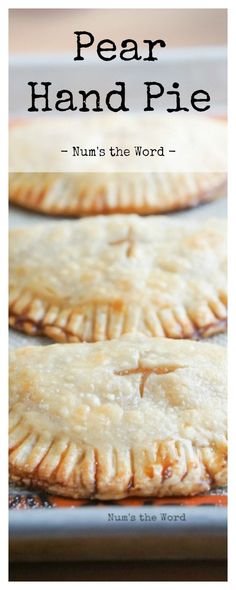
(91, 534)
(45, 527)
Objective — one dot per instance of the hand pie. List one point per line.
(134, 416)
(98, 278)
(45, 179)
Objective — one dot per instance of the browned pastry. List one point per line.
(134, 416)
(46, 180)
(98, 278)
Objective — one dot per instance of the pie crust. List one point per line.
(136, 416)
(46, 180)
(98, 278)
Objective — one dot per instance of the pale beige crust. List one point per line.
(41, 178)
(128, 417)
(69, 195)
(97, 279)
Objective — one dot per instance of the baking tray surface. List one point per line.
(46, 527)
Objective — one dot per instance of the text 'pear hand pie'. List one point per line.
(135, 416)
(98, 278)
(76, 167)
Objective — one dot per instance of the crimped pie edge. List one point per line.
(167, 467)
(46, 193)
(93, 322)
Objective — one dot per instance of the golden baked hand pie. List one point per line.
(134, 416)
(98, 278)
(45, 179)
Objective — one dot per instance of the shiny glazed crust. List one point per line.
(97, 279)
(128, 417)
